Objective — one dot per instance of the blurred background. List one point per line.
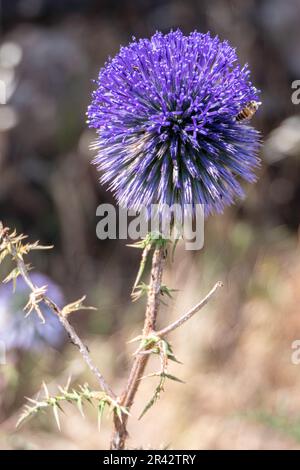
(242, 382)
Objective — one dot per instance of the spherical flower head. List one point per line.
(165, 112)
(18, 332)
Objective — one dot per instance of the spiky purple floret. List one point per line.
(18, 332)
(165, 113)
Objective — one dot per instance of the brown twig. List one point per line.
(4, 235)
(177, 323)
(137, 371)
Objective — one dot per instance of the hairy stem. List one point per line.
(140, 361)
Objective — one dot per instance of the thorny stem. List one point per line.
(63, 319)
(81, 346)
(126, 399)
(140, 361)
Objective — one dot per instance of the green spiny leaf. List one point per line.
(154, 398)
(77, 397)
(172, 377)
(168, 351)
(164, 290)
(174, 359)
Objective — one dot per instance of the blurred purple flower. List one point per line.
(18, 332)
(165, 113)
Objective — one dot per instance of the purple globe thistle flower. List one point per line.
(18, 332)
(165, 112)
